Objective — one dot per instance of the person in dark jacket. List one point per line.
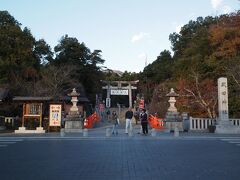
(128, 117)
(116, 122)
(144, 121)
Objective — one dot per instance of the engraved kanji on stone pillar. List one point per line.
(223, 99)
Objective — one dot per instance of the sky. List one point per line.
(130, 33)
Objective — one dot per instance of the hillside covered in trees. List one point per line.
(29, 66)
(204, 50)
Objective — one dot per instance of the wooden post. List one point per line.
(40, 118)
(23, 112)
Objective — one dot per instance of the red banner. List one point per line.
(141, 104)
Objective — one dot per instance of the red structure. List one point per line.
(90, 120)
(155, 122)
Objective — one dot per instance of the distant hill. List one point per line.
(117, 72)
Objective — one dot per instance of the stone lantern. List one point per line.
(173, 119)
(74, 99)
(73, 121)
(172, 95)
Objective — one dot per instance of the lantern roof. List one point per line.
(172, 93)
(74, 93)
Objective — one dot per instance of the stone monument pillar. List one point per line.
(223, 100)
(173, 118)
(224, 126)
(73, 121)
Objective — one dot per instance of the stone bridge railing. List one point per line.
(235, 122)
(202, 124)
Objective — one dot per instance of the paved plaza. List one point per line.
(74, 157)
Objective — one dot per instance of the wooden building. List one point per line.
(33, 108)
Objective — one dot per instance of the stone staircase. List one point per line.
(121, 114)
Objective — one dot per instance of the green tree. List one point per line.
(160, 69)
(88, 72)
(155, 73)
(42, 52)
(21, 56)
(17, 63)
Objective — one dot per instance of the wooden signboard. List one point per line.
(55, 114)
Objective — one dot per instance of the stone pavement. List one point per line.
(74, 157)
(100, 132)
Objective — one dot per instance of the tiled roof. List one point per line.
(31, 98)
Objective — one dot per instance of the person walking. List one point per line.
(116, 122)
(128, 117)
(144, 121)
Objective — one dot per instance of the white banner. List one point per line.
(108, 102)
(119, 92)
(55, 115)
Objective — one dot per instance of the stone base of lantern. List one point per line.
(73, 123)
(173, 120)
(170, 126)
(73, 126)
